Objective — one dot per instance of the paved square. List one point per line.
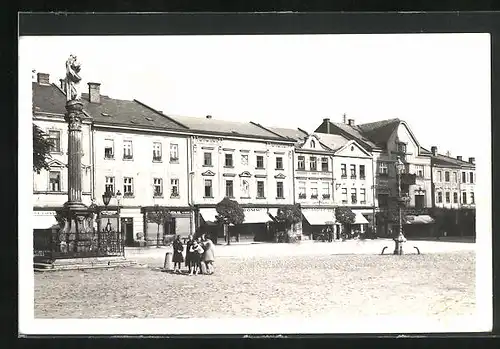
(437, 285)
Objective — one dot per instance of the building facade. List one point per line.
(453, 181)
(388, 141)
(241, 161)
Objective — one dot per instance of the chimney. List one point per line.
(344, 120)
(94, 92)
(434, 150)
(43, 78)
(472, 160)
(209, 116)
(327, 122)
(63, 85)
(459, 158)
(351, 122)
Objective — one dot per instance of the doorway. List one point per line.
(419, 201)
(169, 228)
(127, 226)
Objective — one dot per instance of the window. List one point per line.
(353, 171)
(174, 188)
(401, 147)
(208, 188)
(260, 189)
(455, 197)
(324, 164)
(446, 176)
(109, 149)
(229, 189)
(174, 152)
(464, 177)
(472, 197)
(244, 159)
(362, 171)
(279, 190)
(314, 190)
(354, 198)
(439, 198)
(301, 163)
(158, 187)
(128, 186)
(302, 190)
(344, 195)
(383, 200)
(110, 185)
(312, 163)
(382, 168)
(260, 161)
(156, 151)
(362, 195)
(464, 198)
(343, 170)
(127, 150)
(447, 197)
(228, 160)
(245, 188)
(419, 170)
(326, 190)
(54, 181)
(207, 159)
(440, 176)
(471, 177)
(455, 177)
(55, 138)
(313, 144)
(279, 163)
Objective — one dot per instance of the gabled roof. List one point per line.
(380, 131)
(332, 141)
(296, 134)
(445, 161)
(350, 132)
(223, 127)
(51, 99)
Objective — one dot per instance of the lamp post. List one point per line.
(118, 199)
(106, 197)
(399, 239)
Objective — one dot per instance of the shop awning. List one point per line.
(208, 214)
(420, 219)
(44, 221)
(256, 217)
(360, 219)
(319, 217)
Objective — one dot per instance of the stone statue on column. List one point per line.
(72, 78)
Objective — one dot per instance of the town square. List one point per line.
(155, 197)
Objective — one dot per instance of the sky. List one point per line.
(438, 83)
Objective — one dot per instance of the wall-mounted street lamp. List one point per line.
(106, 197)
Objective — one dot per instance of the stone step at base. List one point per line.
(82, 263)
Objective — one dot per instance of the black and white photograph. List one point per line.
(229, 184)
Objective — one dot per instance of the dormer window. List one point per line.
(401, 147)
(313, 143)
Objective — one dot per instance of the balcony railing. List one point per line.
(343, 176)
(326, 196)
(302, 196)
(314, 196)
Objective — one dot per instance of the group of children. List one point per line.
(199, 255)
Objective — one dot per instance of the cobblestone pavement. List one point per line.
(438, 285)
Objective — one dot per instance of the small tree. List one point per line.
(41, 149)
(159, 215)
(345, 216)
(288, 216)
(229, 212)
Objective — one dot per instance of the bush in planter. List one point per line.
(345, 217)
(288, 216)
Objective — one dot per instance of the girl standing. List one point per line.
(178, 258)
(189, 254)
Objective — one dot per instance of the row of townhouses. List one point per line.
(188, 164)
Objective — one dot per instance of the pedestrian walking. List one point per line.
(208, 254)
(189, 253)
(178, 258)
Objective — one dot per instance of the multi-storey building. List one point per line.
(129, 148)
(453, 181)
(387, 141)
(242, 161)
